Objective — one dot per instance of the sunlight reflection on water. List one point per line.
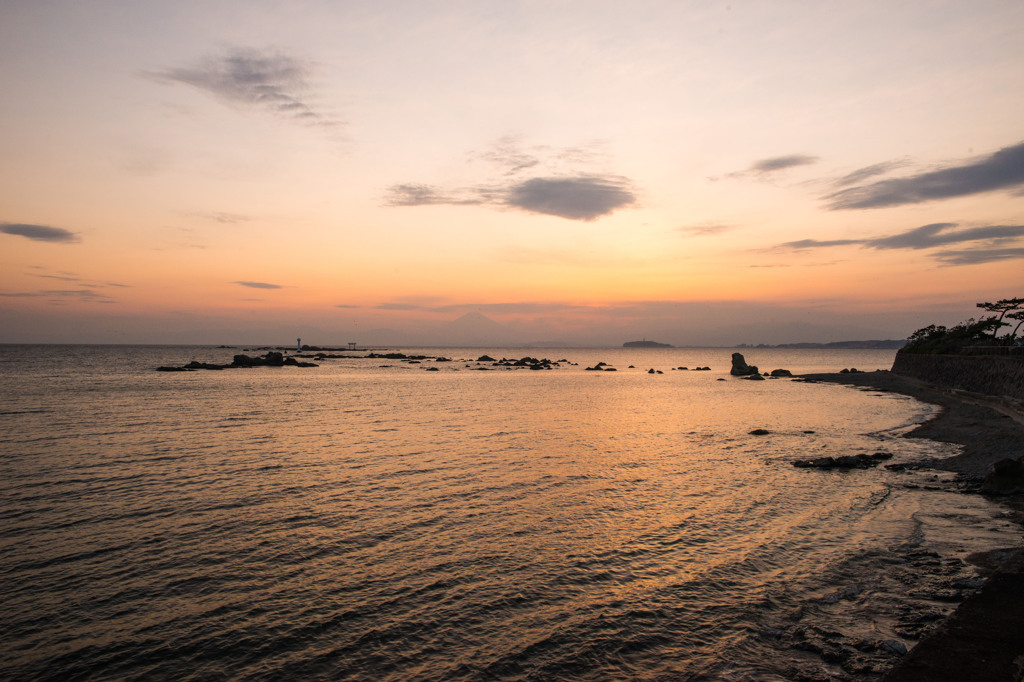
(359, 521)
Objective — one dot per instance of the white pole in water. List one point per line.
(298, 345)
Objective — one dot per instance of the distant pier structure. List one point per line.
(351, 345)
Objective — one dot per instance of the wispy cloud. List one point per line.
(862, 174)
(508, 154)
(778, 163)
(223, 218)
(39, 233)
(933, 236)
(1002, 170)
(802, 244)
(59, 295)
(259, 285)
(977, 256)
(265, 79)
(706, 229)
(940, 234)
(427, 195)
(399, 306)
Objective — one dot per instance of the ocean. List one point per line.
(369, 519)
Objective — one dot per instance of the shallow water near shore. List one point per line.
(369, 519)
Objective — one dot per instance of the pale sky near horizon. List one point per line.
(586, 172)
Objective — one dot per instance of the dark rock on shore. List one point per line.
(1007, 478)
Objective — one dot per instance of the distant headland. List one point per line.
(646, 344)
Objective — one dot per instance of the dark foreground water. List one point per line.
(360, 521)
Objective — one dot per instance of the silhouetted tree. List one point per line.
(1019, 316)
(1004, 306)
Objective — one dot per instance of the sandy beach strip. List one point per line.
(984, 638)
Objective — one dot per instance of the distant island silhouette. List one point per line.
(646, 344)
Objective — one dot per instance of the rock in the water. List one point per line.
(860, 461)
(740, 367)
(781, 373)
(753, 377)
(760, 432)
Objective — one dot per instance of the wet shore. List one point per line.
(982, 639)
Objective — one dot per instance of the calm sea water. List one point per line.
(369, 519)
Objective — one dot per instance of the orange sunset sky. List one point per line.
(703, 173)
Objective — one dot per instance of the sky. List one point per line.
(585, 173)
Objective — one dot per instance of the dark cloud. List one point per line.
(936, 235)
(39, 233)
(259, 285)
(1002, 170)
(264, 79)
(939, 234)
(862, 174)
(579, 198)
(782, 162)
(977, 256)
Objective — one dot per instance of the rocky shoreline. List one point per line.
(982, 639)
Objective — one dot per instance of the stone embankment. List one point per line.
(988, 375)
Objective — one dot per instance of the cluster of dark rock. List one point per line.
(741, 369)
(396, 356)
(529, 363)
(271, 359)
(695, 369)
(602, 367)
(860, 461)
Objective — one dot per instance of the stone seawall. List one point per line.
(991, 375)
